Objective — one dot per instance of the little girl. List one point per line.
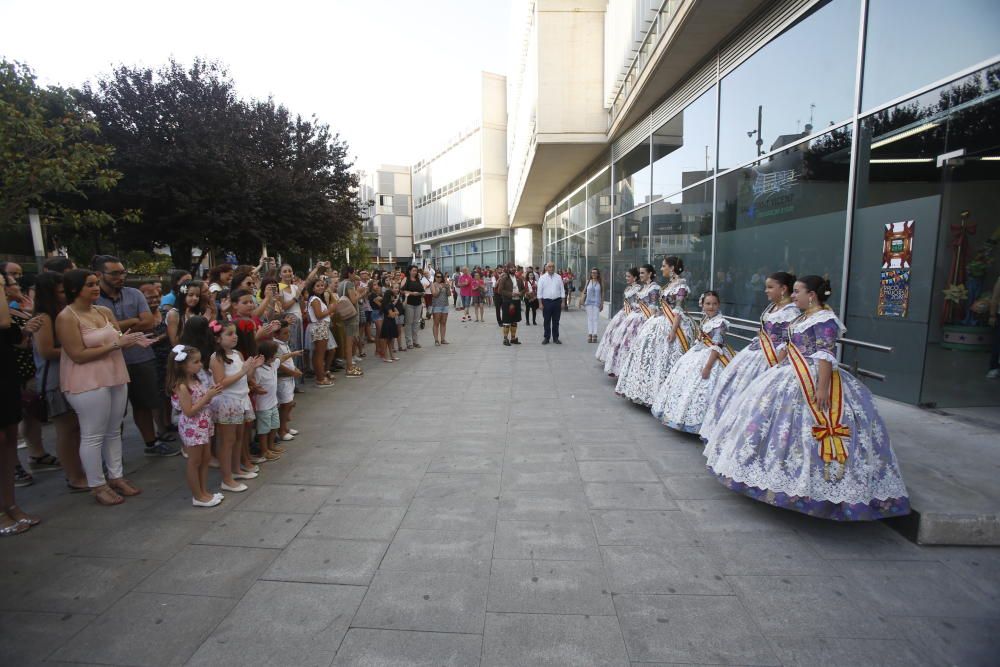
(266, 379)
(232, 406)
(682, 399)
(390, 329)
(192, 398)
(287, 375)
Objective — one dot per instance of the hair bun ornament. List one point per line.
(215, 326)
(179, 353)
(246, 326)
(827, 292)
(183, 289)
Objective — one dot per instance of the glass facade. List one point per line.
(754, 175)
(482, 252)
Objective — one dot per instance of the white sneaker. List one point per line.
(993, 374)
(288, 436)
(207, 503)
(293, 431)
(245, 475)
(239, 488)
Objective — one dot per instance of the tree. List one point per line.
(51, 157)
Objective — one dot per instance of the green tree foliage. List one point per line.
(208, 169)
(51, 157)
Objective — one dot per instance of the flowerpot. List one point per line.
(966, 339)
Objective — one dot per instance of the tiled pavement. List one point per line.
(478, 504)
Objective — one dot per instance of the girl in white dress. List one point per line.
(611, 340)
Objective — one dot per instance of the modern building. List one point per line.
(386, 195)
(460, 192)
(857, 139)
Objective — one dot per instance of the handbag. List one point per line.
(344, 309)
(33, 402)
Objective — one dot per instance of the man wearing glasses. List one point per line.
(130, 308)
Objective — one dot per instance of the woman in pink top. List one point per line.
(464, 284)
(93, 376)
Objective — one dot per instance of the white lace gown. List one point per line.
(608, 338)
(629, 329)
(764, 446)
(749, 363)
(681, 400)
(647, 363)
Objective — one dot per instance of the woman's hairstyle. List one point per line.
(307, 292)
(46, 299)
(215, 273)
(175, 374)
(817, 284)
(196, 333)
(676, 262)
(783, 278)
(73, 282)
(634, 271)
(649, 269)
(268, 348)
(175, 276)
(238, 278)
(59, 264)
(439, 275)
(181, 303)
(217, 330)
(706, 294)
(600, 279)
(264, 284)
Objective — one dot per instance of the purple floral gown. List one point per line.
(611, 337)
(763, 445)
(681, 400)
(645, 366)
(749, 363)
(648, 294)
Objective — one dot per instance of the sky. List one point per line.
(396, 78)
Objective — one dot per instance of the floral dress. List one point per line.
(764, 445)
(681, 400)
(749, 363)
(195, 430)
(648, 360)
(613, 337)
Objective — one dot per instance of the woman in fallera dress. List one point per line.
(643, 306)
(611, 338)
(661, 341)
(805, 435)
(681, 400)
(765, 351)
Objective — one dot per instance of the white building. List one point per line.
(460, 191)
(387, 195)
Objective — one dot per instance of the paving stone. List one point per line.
(80, 585)
(374, 492)
(617, 471)
(808, 606)
(520, 480)
(645, 496)
(950, 640)
(777, 554)
(282, 623)
(430, 601)
(539, 505)
(977, 565)
(711, 629)
(695, 487)
(178, 506)
(315, 474)
(462, 552)
(286, 498)
(147, 629)
(643, 527)
(549, 587)
(547, 540)
(254, 529)
(416, 649)
(532, 457)
(914, 588)
(467, 463)
(441, 485)
(664, 570)
(674, 462)
(517, 640)
(737, 515)
(142, 538)
(354, 523)
(209, 570)
(393, 468)
(452, 513)
(28, 637)
(326, 561)
(608, 452)
(856, 541)
(828, 652)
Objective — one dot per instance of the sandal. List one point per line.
(272, 456)
(44, 462)
(15, 528)
(124, 487)
(76, 489)
(105, 495)
(24, 518)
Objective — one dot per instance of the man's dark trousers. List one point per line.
(551, 311)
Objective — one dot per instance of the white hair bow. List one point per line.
(179, 353)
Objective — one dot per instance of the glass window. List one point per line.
(576, 249)
(935, 41)
(599, 198)
(682, 226)
(785, 213)
(489, 244)
(631, 246)
(577, 220)
(803, 79)
(599, 255)
(684, 147)
(940, 343)
(632, 179)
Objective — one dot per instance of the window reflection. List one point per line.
(631, 245)
(599, 198)
(684, 147)
(785, 213)
(792, 87)
(632, 179)
(682, 226)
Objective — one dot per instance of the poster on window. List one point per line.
(894, 278)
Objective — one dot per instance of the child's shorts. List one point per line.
(267, 420)
(286, 391)
(232, 410)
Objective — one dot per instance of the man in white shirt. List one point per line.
(551, 292)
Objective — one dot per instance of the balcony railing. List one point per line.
(665, 14)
